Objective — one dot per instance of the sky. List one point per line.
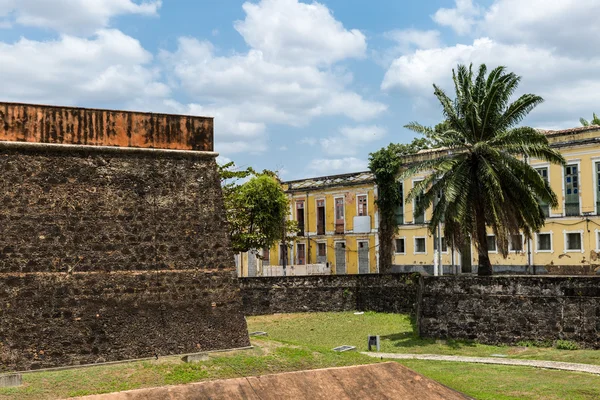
(300, 87)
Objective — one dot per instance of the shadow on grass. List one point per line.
(411, 339)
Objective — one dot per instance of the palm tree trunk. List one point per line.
(485, 266)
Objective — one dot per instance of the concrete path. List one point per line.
(564, 366)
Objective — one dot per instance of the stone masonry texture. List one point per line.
(506, 310)
(383, 293)
(110, 254)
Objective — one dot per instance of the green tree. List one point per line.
(595, 121)
(256, 209)
(385, 165)
(484, 179)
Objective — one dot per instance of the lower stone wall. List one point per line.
(506, 310)
(55, 319)
(383, 293)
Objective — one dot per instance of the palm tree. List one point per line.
(595, 121)
(484, 180)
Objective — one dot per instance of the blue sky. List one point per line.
(305, 88)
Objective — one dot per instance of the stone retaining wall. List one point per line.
(384, 293)
(506, 310)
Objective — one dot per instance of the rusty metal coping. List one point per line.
(78, 148)
(96, 127)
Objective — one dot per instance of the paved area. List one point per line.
(589, 368)
(381, 381)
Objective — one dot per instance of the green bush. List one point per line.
(566, 345)
(535, 343)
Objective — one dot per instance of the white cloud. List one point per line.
(461, 18)
(409, 39)
(285, 78)
(110, 68)
(567, 26)
(351, 140)
(337, 165)
(310, 141)
(567, 83)
(272, 92)
(291, 32)
(73, 16)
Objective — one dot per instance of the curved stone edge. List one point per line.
(558, 365)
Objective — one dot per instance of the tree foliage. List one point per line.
(484, 180)
(256, 209)
(385, 165)
(594, 121)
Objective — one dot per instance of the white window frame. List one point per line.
(334, 211)
(414, 204)
(415, 252)
(510, 249)
(434, 244)
(395, 248)
(580, 231)
(597, 239)
(299, 243)
(326, 251)
(537, 242)
(595, 160)
(317, 199)
(358, 242)
(549, 169)
(495, 242)
(564, 196)
(367, 205)
(335, 242)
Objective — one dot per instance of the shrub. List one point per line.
(535, 343)
(566, 345)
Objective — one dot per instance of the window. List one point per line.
(420, 246)
(320, 217)
(339, 215)
(544, 242)
(400, 208)
(571, 190)
(283, 255)
(400, 246)
(544, 205)
(301, 254)
(418, 218)
(573, 241)
(265, 254)
(362, 205)
(321, 249)
(444, 246)
(491, 243)
(598, 188)
(516, 243)
(300, 217)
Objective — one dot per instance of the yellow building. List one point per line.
(569, 241)
(339, 222)
(337, 218)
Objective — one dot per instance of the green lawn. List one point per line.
(266, 357)
(304, 341)
(329, 330)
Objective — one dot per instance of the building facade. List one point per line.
(569, 243)
(339, 220)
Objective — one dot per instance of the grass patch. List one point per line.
(327, 330)
(499, 382)
(266, 358)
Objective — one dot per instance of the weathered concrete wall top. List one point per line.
(82, 126)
